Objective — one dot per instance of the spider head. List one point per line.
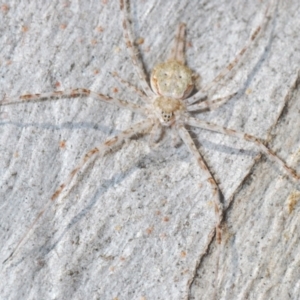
(166, 109)
(172, 79)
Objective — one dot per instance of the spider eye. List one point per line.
(166, 116)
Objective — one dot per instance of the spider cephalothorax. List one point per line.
(167, 108)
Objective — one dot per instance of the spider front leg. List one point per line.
(142, 127)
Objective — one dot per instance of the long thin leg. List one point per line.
(131, 87)
(210, 104)
(73, 93)
(177, 51)
(185, 136)
(142, 127)
(199, 95)
(254, 140)
(155, 134)
(129, 40)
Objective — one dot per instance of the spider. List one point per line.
(169, 104)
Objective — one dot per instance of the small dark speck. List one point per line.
(72, 66)
(141, 165)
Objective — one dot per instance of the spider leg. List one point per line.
(155, 134)
(131, 87)
(142, 127)
(210, 104)
(185, 136)
(177, 51)
(73, 93)
(176, 140)
(254, 35)
(250, 138)
(129, 40)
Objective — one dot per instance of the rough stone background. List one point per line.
(137, 223)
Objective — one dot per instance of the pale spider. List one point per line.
(167, 105)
